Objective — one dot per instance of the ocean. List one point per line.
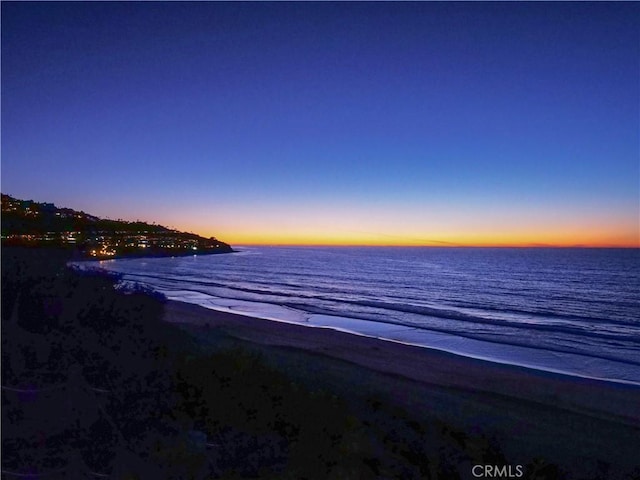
(570, 310)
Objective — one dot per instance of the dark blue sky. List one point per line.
(474, 123)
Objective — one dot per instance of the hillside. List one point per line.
(25, 222)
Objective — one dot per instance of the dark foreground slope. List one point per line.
(95, 383)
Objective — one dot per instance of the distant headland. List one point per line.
(29, 223)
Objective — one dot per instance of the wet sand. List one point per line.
(582, 425)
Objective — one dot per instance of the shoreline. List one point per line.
(558, 344)
(327, 340)
(572, 421)
(513, 354)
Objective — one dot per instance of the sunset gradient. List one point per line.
(420, 123)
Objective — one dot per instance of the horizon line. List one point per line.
(361, 245)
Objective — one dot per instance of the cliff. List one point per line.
(29, 223)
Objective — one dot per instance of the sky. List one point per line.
(331, 123)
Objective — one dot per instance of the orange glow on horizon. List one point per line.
(406, 227)
(482, 239)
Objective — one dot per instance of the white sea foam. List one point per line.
(265, 311)
(573, 311)
(572, 364)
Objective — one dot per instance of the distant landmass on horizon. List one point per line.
(29, 223)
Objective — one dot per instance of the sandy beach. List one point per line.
(582, 425)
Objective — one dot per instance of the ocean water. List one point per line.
(574, 311)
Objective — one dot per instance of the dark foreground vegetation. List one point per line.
(96, 385)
